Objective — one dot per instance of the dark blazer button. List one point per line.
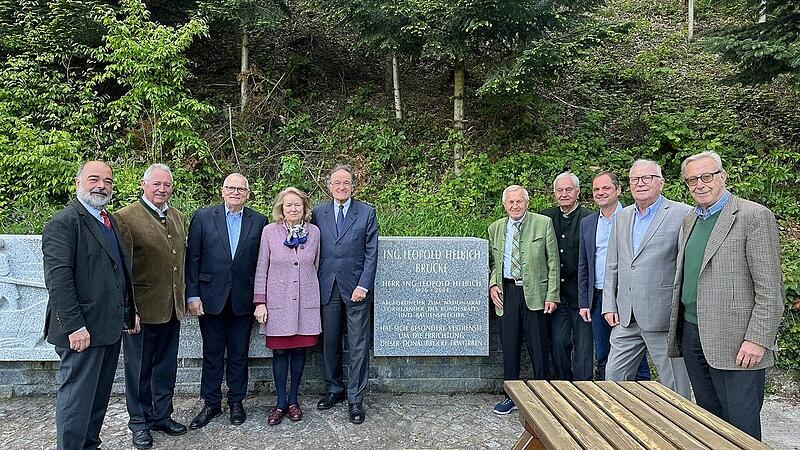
(295, 263)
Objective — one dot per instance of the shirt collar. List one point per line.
(92, 210)
(229, 213)
(616, 210)
(521, 221)
(713, 209)
(568, 213)
(650, 209)
(161, 211)
(345, 204)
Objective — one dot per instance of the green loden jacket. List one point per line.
(540, 261)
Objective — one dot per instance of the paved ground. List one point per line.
(409, 421)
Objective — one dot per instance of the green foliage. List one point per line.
(789, 335)
(763, 51)
(146, 59)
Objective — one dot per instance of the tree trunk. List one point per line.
(244, 74)
(691, 20)
(398, 105)
(762, 12)
(458, 111)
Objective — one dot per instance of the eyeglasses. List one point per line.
(706, 177)
(342, 183)
(232, 189)
(645, 179)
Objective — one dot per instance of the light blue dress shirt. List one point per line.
(713, 209)
(601, 245)
(93, 211)
(234, 221)
(161, 212)
(641, 222)
(510, 229)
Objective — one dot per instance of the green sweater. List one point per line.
(692, 260)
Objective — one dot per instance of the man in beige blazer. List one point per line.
(640, 271)
(728, 297)
(524, 284)
(155, 236)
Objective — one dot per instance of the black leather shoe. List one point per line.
(356, 413)
(142, 439)
(329, 400)
(204, 416)
(170, 427)
(238, 416)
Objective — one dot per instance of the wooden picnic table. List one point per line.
(617, 415)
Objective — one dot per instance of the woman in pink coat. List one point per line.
(286, 295)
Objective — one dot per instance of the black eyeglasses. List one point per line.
(645, 179)
(232, 189)
(706, 177)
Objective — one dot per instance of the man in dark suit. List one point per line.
(595, 231)
(348, 260)
(220, 267)
(570, 337)
(88, 279)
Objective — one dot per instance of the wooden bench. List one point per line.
(617, 415)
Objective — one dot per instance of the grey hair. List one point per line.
(347, 168)
(648, 162)
(237, 174)
(710, 154)
(153, 167)
(570, 175)
(515, 187)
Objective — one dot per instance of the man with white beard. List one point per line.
(88, 279)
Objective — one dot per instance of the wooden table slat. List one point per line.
(545, 426)
(708, 419)
(583, 432)
(685, 422)
(663, 425)
(642, 432)
(597, 417)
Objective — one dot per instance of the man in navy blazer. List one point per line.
(221, 261)
(347, 264)
(595, 232)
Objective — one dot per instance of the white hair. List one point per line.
(515, 187)
(647, 162)
(148, 174)
(570, 175)
(710, 154)
(236, 174)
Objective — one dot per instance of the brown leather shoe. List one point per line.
(295, 413)
(276, 416)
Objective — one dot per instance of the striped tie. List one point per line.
(516, 262)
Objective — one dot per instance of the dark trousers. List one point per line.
(570, 344)
(518, 323)
(151, 365)
(735, 396)
(357, 320)
(224, 333)
(601, 332)
(82, 398)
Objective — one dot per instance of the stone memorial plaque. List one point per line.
(431, 297)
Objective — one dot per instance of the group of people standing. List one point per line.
(698, 289)
(128, 279)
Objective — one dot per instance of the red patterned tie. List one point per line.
(106, 220)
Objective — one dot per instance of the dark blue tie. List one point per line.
(340, 220)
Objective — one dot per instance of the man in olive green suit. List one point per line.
(524, 284)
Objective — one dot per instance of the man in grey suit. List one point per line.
(728, 296)
(640, 272)
(88, 279)
(348, 261)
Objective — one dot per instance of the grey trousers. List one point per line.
(82, 398)
(628, 346)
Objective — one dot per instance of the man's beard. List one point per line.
(97, 199)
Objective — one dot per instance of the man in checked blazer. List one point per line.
(524, 285)
(728, 297)
(640, 272)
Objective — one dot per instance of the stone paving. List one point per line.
(407, 421)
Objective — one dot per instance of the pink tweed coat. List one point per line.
(286, 280)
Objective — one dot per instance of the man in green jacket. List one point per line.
(524, 284)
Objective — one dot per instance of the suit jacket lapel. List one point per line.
(247, 222)
(721, 229)
(349, 219)
(661, 214)
(222, 227)
(329, 217)
(92, 224)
